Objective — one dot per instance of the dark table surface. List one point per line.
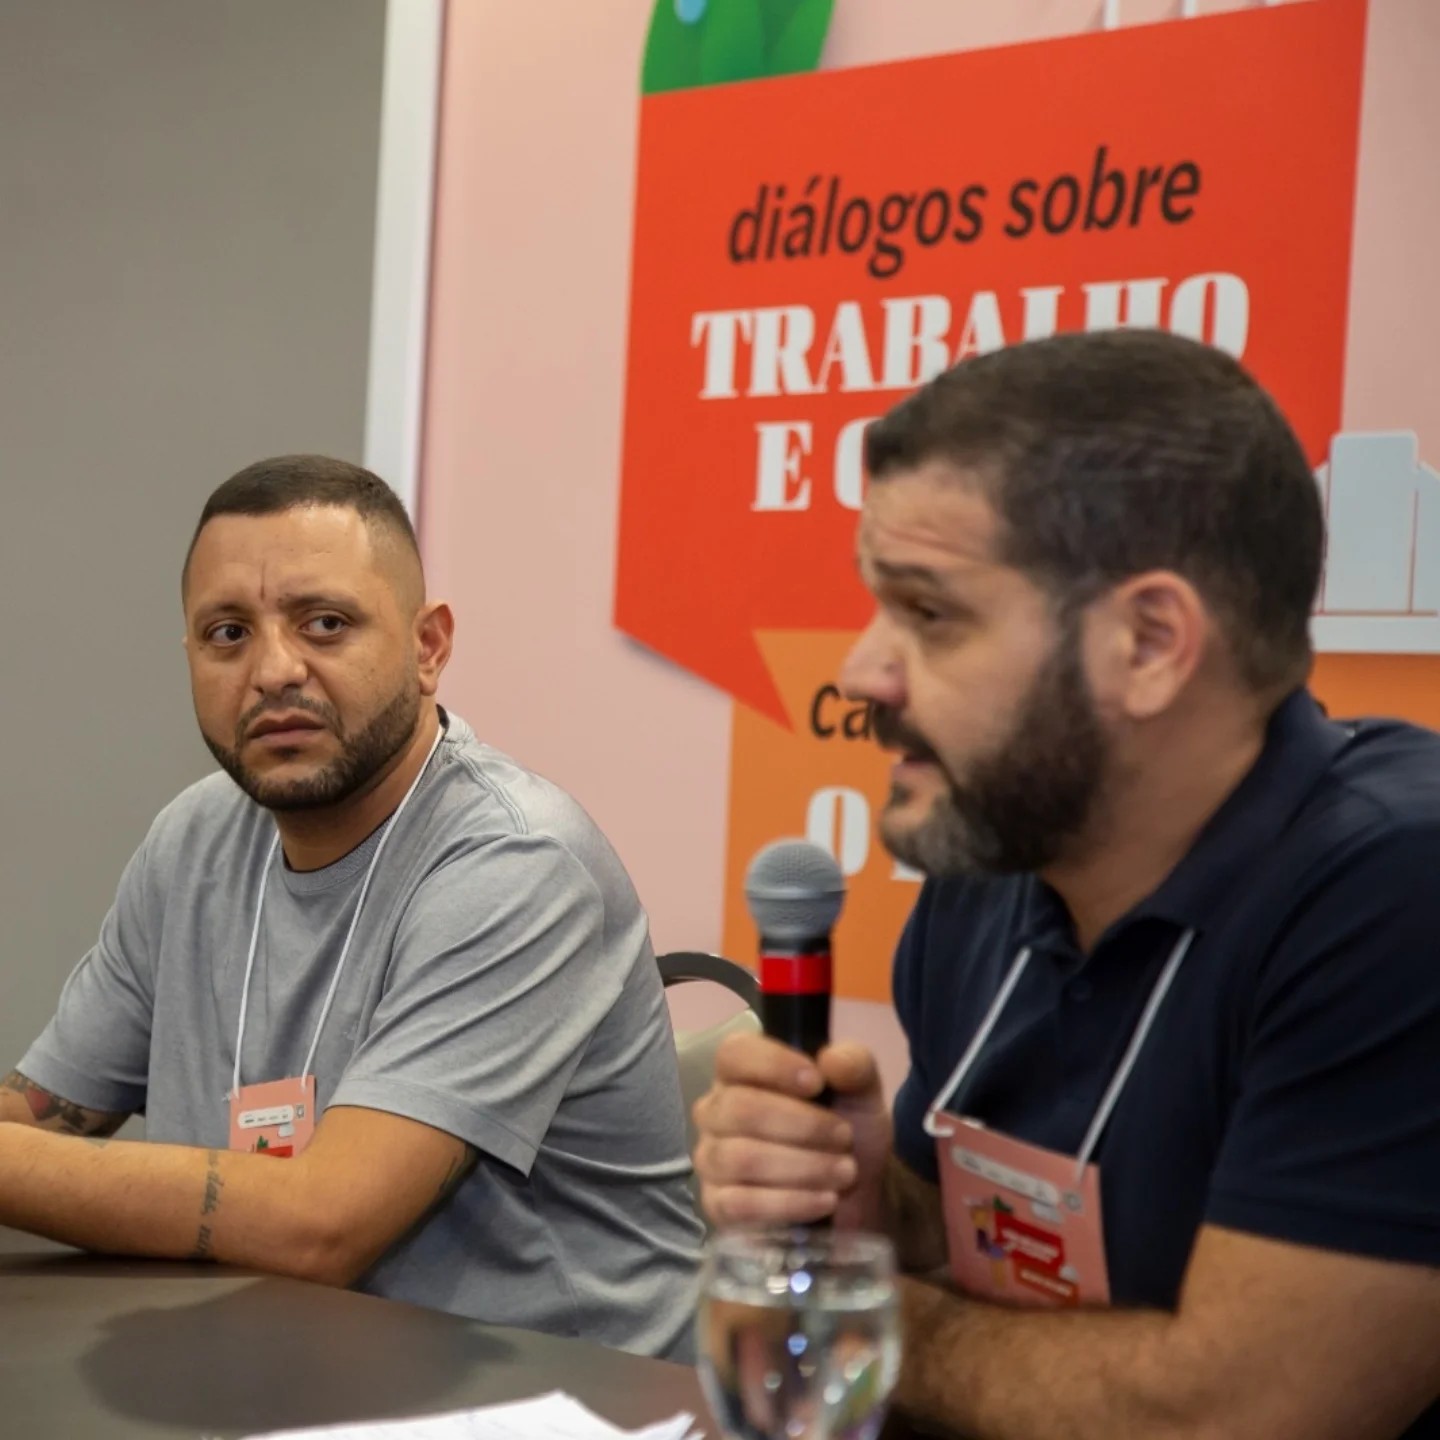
(127, 1348)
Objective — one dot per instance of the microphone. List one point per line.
(794, 891)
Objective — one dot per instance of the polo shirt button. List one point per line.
(1079, 991)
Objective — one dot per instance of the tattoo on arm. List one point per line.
(51, 1112)
(214, 1184)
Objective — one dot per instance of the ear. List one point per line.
(1160, 631)
(434, 638)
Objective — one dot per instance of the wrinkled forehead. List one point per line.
(304, 549)
(932, 516)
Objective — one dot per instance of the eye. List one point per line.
(923, 614)
(325, 627)
(225, 634)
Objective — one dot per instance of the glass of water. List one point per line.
(799, 1333)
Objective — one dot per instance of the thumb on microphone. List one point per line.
(849, 1070)
(856, 1095)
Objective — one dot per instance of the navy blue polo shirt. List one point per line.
(1290, 1086)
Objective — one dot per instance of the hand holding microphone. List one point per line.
(768, 1153)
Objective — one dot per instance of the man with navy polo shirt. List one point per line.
(1172, 989)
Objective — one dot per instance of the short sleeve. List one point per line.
(912, 1144)
(499, 979)
(95, 1052)
(1334, 1138)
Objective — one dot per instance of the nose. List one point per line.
(276, 661)
(873, 668)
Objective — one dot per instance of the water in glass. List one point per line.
(799, 1334)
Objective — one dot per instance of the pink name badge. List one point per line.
(1023, 1227)
(276, 1118)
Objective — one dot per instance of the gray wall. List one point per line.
(187, 193)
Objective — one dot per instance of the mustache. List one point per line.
(892, 733)
(283, 705)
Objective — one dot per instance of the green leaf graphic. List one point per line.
(797, 50)
(732, 45)
(775, 15)
(672, 51)
(710, 42)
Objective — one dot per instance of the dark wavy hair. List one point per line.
(1110, 454)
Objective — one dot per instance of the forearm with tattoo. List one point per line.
(327, 1215)
(214, 1184)
(24, 1102)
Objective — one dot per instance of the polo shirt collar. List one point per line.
(1300, 744)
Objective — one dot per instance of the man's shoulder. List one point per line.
(496, 794)
(491, 797)
(1387, 778)
(214, 807)
(1349, 888)
(214, 796)
(1378, 803)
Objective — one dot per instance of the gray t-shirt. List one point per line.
(500, 987)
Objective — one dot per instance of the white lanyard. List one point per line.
(349, 934)
(1122, 1072)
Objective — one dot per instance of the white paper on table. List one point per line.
(555, 1416)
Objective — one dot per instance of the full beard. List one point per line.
(363, 756)
(1018, 808)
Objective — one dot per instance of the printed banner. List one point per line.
(808, 249)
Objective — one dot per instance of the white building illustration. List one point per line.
(1381, 586)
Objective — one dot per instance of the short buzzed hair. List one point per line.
(1110, 454)
(286, 482)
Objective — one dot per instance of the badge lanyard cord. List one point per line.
(1122, 1071)
(349, 934)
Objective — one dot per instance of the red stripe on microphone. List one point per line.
(795, 974)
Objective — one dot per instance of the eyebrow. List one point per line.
(305, 600)
(894, 574)
(889, 575)
(311, 599)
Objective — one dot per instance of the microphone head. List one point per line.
(794, 891)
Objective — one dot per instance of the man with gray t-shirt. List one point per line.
(386, 999)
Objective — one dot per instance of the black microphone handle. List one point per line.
(791, 1011)
(800, 1021)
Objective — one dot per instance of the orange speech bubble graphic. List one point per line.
(808, 249)
(818, 775)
